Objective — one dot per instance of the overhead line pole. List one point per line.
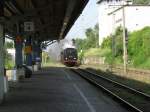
(124, 42)
(125, 55)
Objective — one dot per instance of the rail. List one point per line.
(134, 91)
(122, 85)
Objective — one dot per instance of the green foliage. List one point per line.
(91, 41)
(93, 52)
(139, 48)
(46, 58)
(144, 2)
(9, 45)
(80, 43)
(118, 42)
(9, 64)
(80, 56)
(107, 43)
(115, 43)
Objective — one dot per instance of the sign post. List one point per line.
(28, 26)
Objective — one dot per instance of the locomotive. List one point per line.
(69, 56)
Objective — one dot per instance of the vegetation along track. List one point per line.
(133, 99)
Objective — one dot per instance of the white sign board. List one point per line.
(28, 26)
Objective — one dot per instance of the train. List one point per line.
(69, 57)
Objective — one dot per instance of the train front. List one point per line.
(70, 56)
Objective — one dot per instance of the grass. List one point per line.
(92, 52)
(145, 65)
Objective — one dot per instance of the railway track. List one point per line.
(119, 84)
(129, 70)
(133, 99)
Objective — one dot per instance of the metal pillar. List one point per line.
(39, 56)
(19, 58)
(18, 49)
(1, 51)
(35, 55)
(36, 50)
(125, 58)
(28, 51)
(18, 54)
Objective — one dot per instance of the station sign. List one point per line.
(28, 49)
(18, 39)
(28, 26)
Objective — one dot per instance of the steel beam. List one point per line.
(14, 6)
(27, 16)
(70, 8)
(28, 52)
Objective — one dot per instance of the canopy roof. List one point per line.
(52, 19)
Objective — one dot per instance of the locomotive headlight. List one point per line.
(66, 58)
(74, 58)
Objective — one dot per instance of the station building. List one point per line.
(111, 16)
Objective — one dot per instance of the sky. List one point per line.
(87, 19)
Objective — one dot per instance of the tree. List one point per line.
(107, 43)
(8, 60)
(91, 41)
(139, 48)
(142, 2)
(9, 45)
(9, 63)
(92, 37)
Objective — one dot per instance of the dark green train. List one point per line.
(69, 56)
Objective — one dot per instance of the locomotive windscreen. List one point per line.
(71, 52)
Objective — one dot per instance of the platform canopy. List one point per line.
(47, 19)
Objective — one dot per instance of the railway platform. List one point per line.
(57, 90)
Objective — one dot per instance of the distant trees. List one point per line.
(138, 46)
(91, 41)
(45, 57)
(9, 63)
(92, 37)
(9, 45)
(144, 2)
